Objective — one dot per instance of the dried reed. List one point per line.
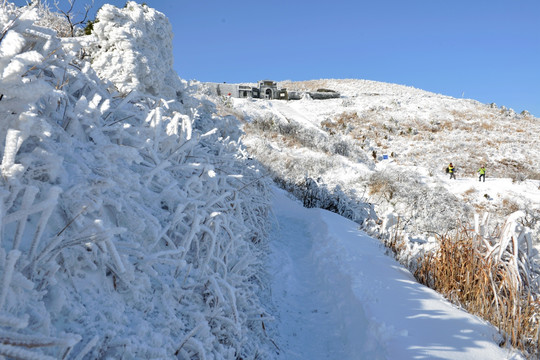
(464, 271)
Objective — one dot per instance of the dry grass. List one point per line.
(487, 126)
(381, 186)
(509, 206)
(485, 286)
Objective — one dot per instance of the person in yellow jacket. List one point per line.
(452, 171)
(482, 172)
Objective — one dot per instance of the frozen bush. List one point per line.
(422, 209)
(127, 231)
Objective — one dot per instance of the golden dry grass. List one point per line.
(482, 285)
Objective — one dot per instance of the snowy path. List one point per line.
(288, 112)
(310, 326)
(338, 296)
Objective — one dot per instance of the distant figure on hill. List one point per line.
(452, 171)
(482, 172)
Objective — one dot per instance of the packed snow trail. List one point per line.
(311, 308)
(338, 296)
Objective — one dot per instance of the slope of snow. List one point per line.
(339, 296)
(134, 223)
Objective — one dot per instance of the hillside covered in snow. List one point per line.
(139, 218)
(378, 154)
(388, 145)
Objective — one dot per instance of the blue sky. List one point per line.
(484, 50)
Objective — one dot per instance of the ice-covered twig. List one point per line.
(12, 258)
(27, 201)
(12, 352)
(44, 218)
(189, 335)
(86, 349)
(8, 320)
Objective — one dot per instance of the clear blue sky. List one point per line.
(479, 49)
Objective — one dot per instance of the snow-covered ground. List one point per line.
(338, 295)
(135, 215)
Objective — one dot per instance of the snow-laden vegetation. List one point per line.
(134, 222)
(130, 228)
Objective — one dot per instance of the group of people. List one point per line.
(452, 171)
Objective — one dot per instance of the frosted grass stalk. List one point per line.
(13, 143)
(12, 352)
(7, 320)
(27, 201)
(12, 258)
(86, 349)
(45, 215)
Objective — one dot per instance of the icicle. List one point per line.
(172, 127)
(508, 232)
(186, 127)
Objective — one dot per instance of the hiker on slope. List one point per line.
(452, 171)
(482, 172)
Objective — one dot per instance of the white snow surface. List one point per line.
(340, 296)
(135, 224)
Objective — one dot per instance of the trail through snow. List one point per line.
(337, 295)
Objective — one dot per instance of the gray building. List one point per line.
(265, 89)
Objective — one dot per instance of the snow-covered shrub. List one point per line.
(126, 231)
(135, 50)
(422, 209)
(55, 21)
(315, 194)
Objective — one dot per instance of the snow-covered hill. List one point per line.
(136, 215)
(377, 155)
(388, 145)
